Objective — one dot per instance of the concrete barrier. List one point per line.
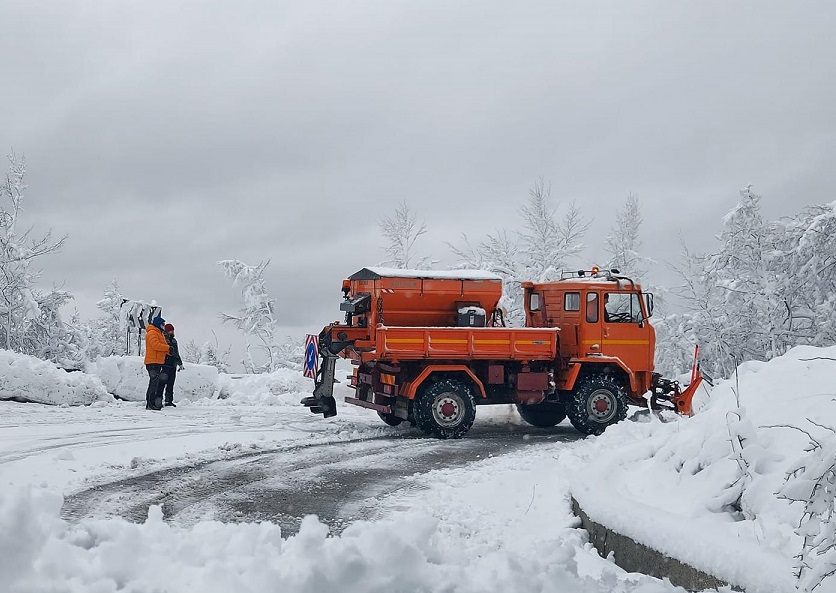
(633, 556)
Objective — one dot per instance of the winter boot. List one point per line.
(170, 404)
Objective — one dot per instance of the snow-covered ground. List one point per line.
(702, 489)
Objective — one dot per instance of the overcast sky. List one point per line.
(165, 136)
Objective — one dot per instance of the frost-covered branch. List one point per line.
(811, 481)
(401, 230)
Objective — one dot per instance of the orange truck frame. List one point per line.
(428, 347)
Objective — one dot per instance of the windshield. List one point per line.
(620, 307)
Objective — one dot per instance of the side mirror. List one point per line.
(648, 302)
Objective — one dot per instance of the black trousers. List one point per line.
(171, 375)
(156, 383)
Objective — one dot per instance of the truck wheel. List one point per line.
(544, 415)
(597, 402)
(390, 419)
(445, 409)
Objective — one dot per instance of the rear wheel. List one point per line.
(597, 402)
(544, 415)
(445, 409)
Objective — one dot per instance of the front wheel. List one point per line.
(445, 409)
(543, 415)
(597, 402)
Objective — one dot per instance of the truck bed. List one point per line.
(454, 343)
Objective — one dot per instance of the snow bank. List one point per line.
(26, 378)
(127, 378)
(279, 388)
(705, 489)
(29, 379)
(41, 553)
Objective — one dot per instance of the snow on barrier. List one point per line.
(29, 379)
(633, 556)
(126, 378)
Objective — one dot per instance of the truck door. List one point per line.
(591, 330)
(626, 333)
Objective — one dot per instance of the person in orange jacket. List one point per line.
(156, 348)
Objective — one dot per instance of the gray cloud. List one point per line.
(164, 136)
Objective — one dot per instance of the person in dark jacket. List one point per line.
(156, 350)
(172, 364)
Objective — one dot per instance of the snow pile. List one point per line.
(29, 379)
(40, 553)
(281, 387)
(712, 487)
(126, 378)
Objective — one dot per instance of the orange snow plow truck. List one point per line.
(428, 347)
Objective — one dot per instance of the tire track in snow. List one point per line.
(340, 481)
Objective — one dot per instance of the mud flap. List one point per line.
(322, 401)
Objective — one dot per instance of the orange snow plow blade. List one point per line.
(682, 401)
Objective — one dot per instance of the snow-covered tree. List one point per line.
(207, 354)
(768, 286)
(538, 251)
(499, 254)
(256, 320)
(401, 230)
(29, 319)
(809, 245)
(108, 332)
(48, 337)
(624, 241)
(291, 352)
(546, 243)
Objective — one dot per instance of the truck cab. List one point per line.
(601, 316)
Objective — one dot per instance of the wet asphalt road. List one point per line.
(340, 482)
